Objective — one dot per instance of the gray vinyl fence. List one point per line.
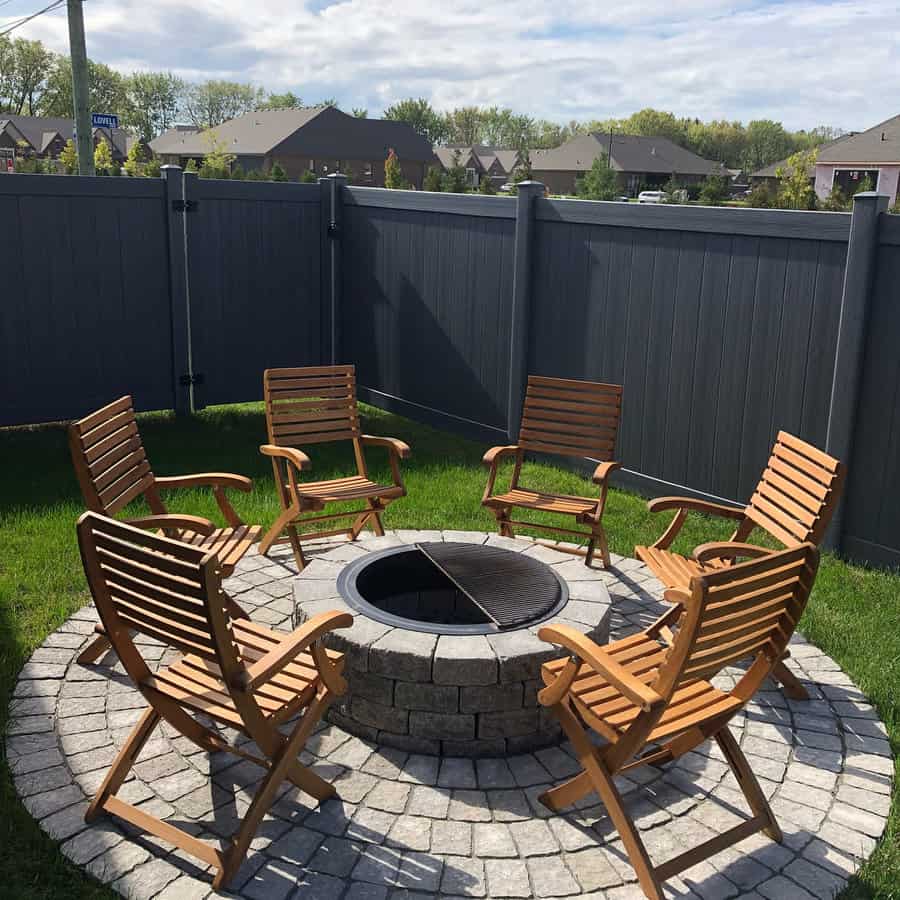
(722, 325)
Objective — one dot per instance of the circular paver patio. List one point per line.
(412, 825)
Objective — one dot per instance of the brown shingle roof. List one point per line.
(35, 128)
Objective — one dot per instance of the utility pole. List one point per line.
(80, 89)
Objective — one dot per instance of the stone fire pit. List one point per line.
(425, 691)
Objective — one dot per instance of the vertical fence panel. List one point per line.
(255, 293)
(427, 301)
(85, 312)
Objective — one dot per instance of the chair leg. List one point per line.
(504, 529)
(296, 546)
(284, 765)
(790, 684)
(604, 547)
(95, 649)
(123, 762)
(375, 519)
(603, 784)
(747, 780)
(568, 792)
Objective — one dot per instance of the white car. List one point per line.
(652, 197)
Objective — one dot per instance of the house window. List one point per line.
(471, 177)
(850, 181)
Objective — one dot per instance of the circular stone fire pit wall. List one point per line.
(462, 695)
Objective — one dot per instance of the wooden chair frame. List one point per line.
(316, 405)
(569, 418)
(113, 470)
(235, 672)
(650, 696)
(793, 502)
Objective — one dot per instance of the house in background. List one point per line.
(478, 160)
(640, 162)
(44, 137)
(872, 154)
(767, 177)
(319, 139)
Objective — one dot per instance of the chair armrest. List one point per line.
(171, 521)
(604, 470)
(393, 444)
(203, 479)
(493, 455)
(293, 645)
(660, 504)
(602, 663)
(299, 459)
(728, 550)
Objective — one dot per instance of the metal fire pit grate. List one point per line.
(510, 589)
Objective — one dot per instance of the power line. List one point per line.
(20, 22)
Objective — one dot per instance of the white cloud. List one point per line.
(798, 61)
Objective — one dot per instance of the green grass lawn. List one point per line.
(854, 614)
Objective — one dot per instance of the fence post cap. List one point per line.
(336, 176)
(871, 197)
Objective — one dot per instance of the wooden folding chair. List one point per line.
(793, 503)
(313, 406)
(233, 671)
(566, 418)
(653, 700)
(113, 470)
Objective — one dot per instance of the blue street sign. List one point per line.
(104, 120)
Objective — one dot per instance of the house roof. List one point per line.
(337, 134)
(769, 170)
(467, 157)
(628, 153)
(35, 130)
(880, 144)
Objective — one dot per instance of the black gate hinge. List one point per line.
(334, 230)
(187, 379)
(184, 206)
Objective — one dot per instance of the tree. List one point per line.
(69, 157)
(153, 169)
(277, 173)
(522, 170)
(714, 190)
(237, 172)
(600, 182)
(24, 66)
(767, 142)
(103, 161)
(106, 89)
(134, 161)
(217, 161)
(191, 166)
(836, 201)
(393, 176)
(419, 115)
(360, 113)
(795, 187)
(465, 125)
(455, 180)
(486, 185)
(656, 123)
(432, 179)
(673, 190)
(308, 177)
(287, 100)
(213, 102)
(762, 197)
(153, 101)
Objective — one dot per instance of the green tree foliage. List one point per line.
(308, 177)
(714, 190)
(486, 185)
(674, 190)
(393, 176)
(107, 90)
(836, 201)
(419, 115)
(152, 169)
(103, 161)
(213, 102)
(277, 173)
(762, 197)
(360, 113)
(766, 142)
(217, 161)
(464, 125)
(455, 180)
(68, 157)
(795, 187)
(24, 66)
(134, 162)
(864, 185)
(153, 100)
(287, 100)
(238, 173)
(432, 179)
(656, 123)
(191, 166)
(599, 183)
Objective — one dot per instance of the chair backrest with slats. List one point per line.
(158, 587)
(739, 612)
(571, 418)
(798, 492)
(109, 458)
(311, 405)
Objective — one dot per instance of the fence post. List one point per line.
(173, 178)
(521, 304)
(851, 338)
(332, 220)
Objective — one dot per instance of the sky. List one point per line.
(799, 62)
